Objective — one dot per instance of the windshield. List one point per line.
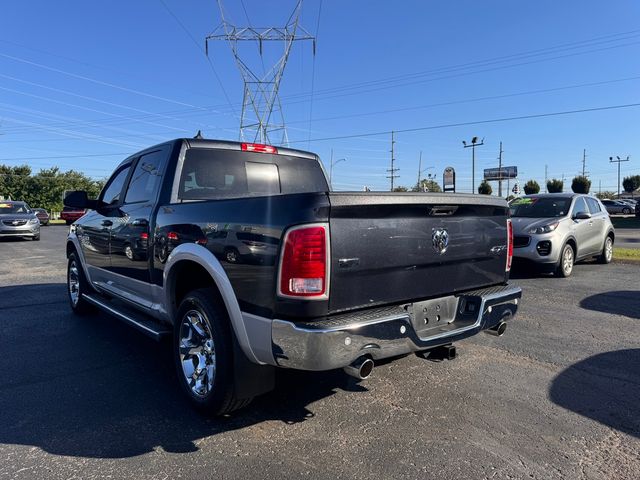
(9, 208)
(532, 207)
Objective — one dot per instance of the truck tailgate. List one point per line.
(383, 249)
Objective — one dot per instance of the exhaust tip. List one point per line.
(360, 369)
(498, 330)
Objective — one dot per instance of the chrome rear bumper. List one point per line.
(336, 343)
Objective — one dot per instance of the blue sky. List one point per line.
(83, 84)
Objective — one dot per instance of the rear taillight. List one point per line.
(304, 264)
(144, 236)
(509, 244)
(258, 147)
(172, 236)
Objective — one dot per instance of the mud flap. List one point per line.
(250, 379)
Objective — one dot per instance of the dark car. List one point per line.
(18, 220)
(42, 215)
(638, 209)
(253, 263)
(616, 206)
(71, 214)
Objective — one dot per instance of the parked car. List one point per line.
(337, 280)
(637, 209)
(617, 206)
(555, 230)
(42, 215)
(71, 214)
(18, 220)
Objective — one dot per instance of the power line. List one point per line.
(477, 122)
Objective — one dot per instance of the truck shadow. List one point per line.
(604, 388)
(93, 387)
(619, 302)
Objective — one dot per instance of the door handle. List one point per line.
(107, 223)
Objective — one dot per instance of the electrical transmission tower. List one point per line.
(262, 119)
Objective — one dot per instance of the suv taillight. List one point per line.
(509, 244)
(304, 265)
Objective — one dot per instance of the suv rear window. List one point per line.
(209, 174)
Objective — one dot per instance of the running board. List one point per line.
(131, 317)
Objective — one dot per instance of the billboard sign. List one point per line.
(449, 180)
(500, 173)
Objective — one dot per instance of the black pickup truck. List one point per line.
(243, 256)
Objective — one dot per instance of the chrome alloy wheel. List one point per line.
(74, 283)
(128, 251)
(567, 260)
(608, 249)
(197, 353)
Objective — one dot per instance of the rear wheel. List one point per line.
(626, 211)
(567, 259)
(607, 251)
(203, 353)
(232, 255)
(76, 286)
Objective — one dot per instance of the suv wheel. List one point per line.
(607, 251)
(626, 211)
(203, 353)
(567, 259)
(232, 255)
(76, 286)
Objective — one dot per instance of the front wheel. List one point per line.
(203, 354)
(565, 265)
(626, 211)
(76, 286)
(607, 251)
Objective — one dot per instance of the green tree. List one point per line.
(580, 184)
(531, 187)
(631, 184)
(400, 188)
(555, 186)
(484, 188)
(430, 184)
(606, 195)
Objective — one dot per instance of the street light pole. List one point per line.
(474, 144)
(618, 161)
(331, 168)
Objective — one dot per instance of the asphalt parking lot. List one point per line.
(558, 396)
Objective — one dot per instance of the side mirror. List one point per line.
(582, 216)
(79, 199)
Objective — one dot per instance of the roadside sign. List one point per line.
(516, 189)
(449, 180)
(503, 173)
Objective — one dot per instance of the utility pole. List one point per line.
(392, 171)
(618, 161)
(419, 170)
(584, 162)
(500, 172)
(474, 144)
(261, 108)
(545, 178)
(599, 187)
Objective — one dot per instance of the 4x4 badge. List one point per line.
(440, 240)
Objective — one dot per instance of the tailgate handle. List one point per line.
(443, 210)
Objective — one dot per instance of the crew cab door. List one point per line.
(94, 229)
(130, 234)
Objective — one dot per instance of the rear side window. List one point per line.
(145, 181)
(210, 174)
(594, 206)
(113, 189)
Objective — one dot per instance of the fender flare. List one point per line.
(203, 257)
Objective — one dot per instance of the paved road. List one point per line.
(628, 237)
(556, 397)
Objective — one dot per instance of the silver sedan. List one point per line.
(556, 230)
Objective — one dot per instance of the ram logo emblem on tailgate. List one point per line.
(440, 240)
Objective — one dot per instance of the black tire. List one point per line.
(232, 255)
(68, 222)
(566, 261)
(626, 211)
(75, 274)
(36, 238)
(211, 393)
(607, 251)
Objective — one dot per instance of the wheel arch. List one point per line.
(194, 265)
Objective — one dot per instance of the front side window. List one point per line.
(113, 188)
(145, 181)
(580, 206)
(594, 206)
